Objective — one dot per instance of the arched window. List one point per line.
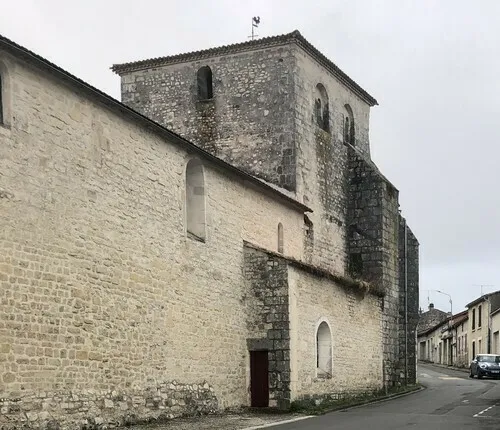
(195, 200)
(349, 126)
(322, 113)
(280, 238)
(204, 81)
(324, 351)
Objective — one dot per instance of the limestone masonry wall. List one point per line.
(354, 321)
(248, 122)
(104, 300)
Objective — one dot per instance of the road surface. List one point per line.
(452, 401)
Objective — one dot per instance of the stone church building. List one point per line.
(220, 238)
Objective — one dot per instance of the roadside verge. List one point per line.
(311, 407)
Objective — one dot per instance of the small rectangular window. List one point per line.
(355, 264)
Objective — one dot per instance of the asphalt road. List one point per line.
(452, 401)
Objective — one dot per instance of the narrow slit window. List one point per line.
(280, 238)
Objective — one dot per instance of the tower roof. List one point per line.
(293, 37)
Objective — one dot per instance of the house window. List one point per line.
(321, 109)
(479, 316)
(474, 349)
(348, 131)
(280, 238)
(204, 81)
(324, 351)
(195, 200)
(473, 319)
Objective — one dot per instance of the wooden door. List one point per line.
(259, 379)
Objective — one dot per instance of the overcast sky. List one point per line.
(432, 65)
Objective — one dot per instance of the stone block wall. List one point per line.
(353, 317)
(322, 157)
(374, 255)
(262, 119)
(95, 409)
(249, 122)
(268, 318)
(102, 291)
(408, 301)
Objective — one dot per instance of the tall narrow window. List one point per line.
(195, 200)
(349, 137)
(280, 238)
(1, 100)
(321, 110)
(479, 316)
(473, 319)
(324, 351)
(204, 81)
(347, 130)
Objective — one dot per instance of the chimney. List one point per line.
(431, 306)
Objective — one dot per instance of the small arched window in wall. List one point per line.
(349, 126)
(195, 200)
(321, 110)
(324, 351)
(204, 82)
(280, 238)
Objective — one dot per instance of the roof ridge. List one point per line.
(46, 65)
(294, 36)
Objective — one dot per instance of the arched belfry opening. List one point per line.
(349, 126)
(321, 108)
(204, 83)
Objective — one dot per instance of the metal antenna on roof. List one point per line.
(482, 286)
(255, 23)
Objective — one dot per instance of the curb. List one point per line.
(383, 399)
(386, 398)
(444, 366)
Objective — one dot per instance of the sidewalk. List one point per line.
(445, 366)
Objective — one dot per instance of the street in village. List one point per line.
(451, 401)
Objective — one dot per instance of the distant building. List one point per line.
(480, 323)
(445, 341)
(431, 318)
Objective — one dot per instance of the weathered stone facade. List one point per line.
(111, 312)
(285, 113)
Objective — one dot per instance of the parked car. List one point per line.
(485, 365)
